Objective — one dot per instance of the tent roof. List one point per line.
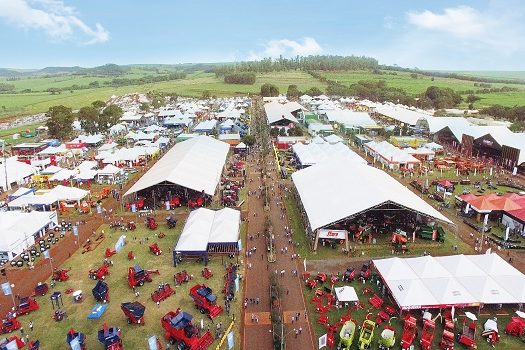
(411, 293)
(314, 153)
(448, 291)
(16, 226)
(346, 293)
(276, 111)
(487, 290)
(195, 163)
(52, 169)
(109, 169)
(333, 139)
(327, 188)
(427, 267)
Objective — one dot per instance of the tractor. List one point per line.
(101, 292)
(349, 275)
(427, 335)
(180, 331)
(41, 289)
(206, 273)
(409, 332)
(154, 248)
(182, 277)
(76, 340)
(12, 343)
(110, 338)
(34, 345)
(26, 305)
(134, 312)
(138, 276)
(205, 300)
(365, 272)
(100, 273)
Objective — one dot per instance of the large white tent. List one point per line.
(17, 172)
(457, 280)
(195, 164)
(334, 190)
(19, 230)
(47, 198)
(314, 153)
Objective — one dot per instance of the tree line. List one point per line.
(240, 78)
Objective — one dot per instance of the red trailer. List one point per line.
(154, 248)
(100, 273)
(162, 293)
(110, 337)
(409, 332)
(101, 292)
(205, 300)
(180, 331)
(427, 336)
(26, 305)
(134, 312)
(151, 223)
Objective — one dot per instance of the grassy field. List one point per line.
(413, 86)
(52, 335)
(494, 74)
(193, 85)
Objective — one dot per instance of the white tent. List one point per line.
(411, 294)
(196, 164)
(314, 153)
(52, 169)
(65, 193)
(109, 170)
(327, 188)
(487, 290)
(64, 174)
(449, 291)
(333, 139)
(346, 294)
(241, 145)
(17, 172)
(427, 267)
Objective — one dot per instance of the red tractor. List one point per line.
(61, 275)
(73, 337)
(137, 276)
(26, 305)
(321, 277)
(154, 248)
(447, 340)
(162, 293)
(151, 223)
(180, 331)
(182, 277)
(134, 312)
(365, 272)
(349, 275)
(100, 273)
(409, 332)
(34, 345)
(131, 256)
(427, 336)
(205, 300)
(110, 338)
(9, 324)
(516, 327)
(311, 283)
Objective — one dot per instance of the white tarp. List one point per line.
(196, 164)
(336, 189)
(346, 294)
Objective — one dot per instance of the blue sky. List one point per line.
(454, 35)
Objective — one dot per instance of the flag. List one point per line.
(322, 341)
(486, 219)
(452, 312)
(304, 264)
(490, 172)
(488, 251)
(467, 208)
(230, 340)
(152, 342)
(6, 288)
(46, 254)
(507, 231)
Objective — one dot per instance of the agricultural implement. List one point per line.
(490, 331)
(76, 340)
(467, 336)
(206, 273)
(180, 331)
(34, 345)
(60, 275)
(9, 324)
(409, 332)
(41, 289)
(366, 335)
(387, 339)
(109, 253)
(154, 248)
(101, 292)
(205, 301)
(182, 277)
(26, 305)
(110, 337)
(447, 339)
(100, 273)
(131, 226)
(347, 334)
(138, 276)
(151, 223)
(163, 292)
(365, 272)
(427, 335)
(134, 312)
(229, 283)
(171, 221)
(349, 275)
(516, 327)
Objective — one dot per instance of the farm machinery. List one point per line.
(41, 289)
(467, 336)
(516, 327)
(154, 248)
(108, 253)
(195, 203)
(206, 273)
(60, 275)
(151, 223)
(431, 233)
(447, 339)
(229, 283)
(26, 305)
(490, 331)
(100, 273)
(347, 334)
(76, 340)
(137, 276)
(12, 343)
(163, 292)
(171, 221)
(366, 334)
(205, 300)
(427, 335)
(134, 312)
(110, 337)
(409, 332)
(349, 275)
(180, 331)
(387, 338)
(9, 324)
(101, 292)
(365, 272)
(182, 277)
(34, 345)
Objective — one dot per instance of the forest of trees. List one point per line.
(240, 78)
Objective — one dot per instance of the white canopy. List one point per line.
(276, 111)
(196, 164)
(64, 174)
(333, 190)
(346, 294)
(109, 170)
(16, 171)
(241, 145)
(206, 226)
(52, 169)
(333, 139)
(314, 153)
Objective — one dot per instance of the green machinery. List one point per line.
(347, 334)
(427, 232)
(366, 335)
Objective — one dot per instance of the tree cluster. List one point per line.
(94, 120)
(293, 91)
(269, 90)
(240, 78)
(6, 87)
(59, 122)
(513, 114)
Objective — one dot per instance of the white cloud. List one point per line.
(287, 48)
(462, 21)
(54, 17)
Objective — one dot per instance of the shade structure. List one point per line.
(195, 164)
(337, 189)
(346, 294)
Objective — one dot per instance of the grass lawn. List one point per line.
(52, 334)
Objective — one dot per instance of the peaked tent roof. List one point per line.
(195, 163)
(448, 291)
(325, 189)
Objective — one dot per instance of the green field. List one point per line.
(193, 85)
(494, 74)
(412, 86)
(52, 334)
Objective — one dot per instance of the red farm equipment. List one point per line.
(409, 332)
(516, 327)
(365, 272)
(205, 301)
(180, 331)
(26, 305)
(467, 336)
(101, 292)
(163, 292)
(490, 331)
(229, 281)
(134, 312)
(41, 289)
(349, 275)
(206, 273)
(76, 340)
(12, 343)
(109, 253)
(171, 221)
(9, 324)
(427, 335)
(447, 339)
(61, 275)
(151, 223)
(34, 345)
(110, 337)
(137, 276)
(100, 273)
(154, 248)
(182, 277)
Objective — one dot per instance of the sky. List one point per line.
(440, 35)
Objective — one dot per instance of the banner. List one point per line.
(322, 341)
(237, 284)
(46, 254)
(6, 288)
(304, 264)
(152, 342)
(120, 243)
(230, 340)
(75, 230)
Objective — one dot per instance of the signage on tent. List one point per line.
(322, 341)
